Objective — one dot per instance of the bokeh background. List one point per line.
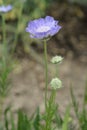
(27, 77)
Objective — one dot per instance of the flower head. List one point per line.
(43, 28)
(56, 83)
(56, 59)
(5, 9)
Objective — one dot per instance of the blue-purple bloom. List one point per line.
(43, 28)
(5, 9)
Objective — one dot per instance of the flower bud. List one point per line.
(56, 59)
(56, 83)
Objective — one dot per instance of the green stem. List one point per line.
(4, 34)
(50, 107)
(1, 106)
(17, 30)
(46, 72)
(56, 73)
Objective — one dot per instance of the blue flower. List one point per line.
(43, 28)
(5, 9)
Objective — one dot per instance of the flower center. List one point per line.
(43, 29)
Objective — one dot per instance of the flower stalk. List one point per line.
(17, 30)
(46, 72)
(5, 59)
(43, 29)
(56, 73)
(4, 30)
(50, 112)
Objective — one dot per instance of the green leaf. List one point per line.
(23, 121)
(6, 119)
(85, 94)
(66, 119)
(59, 120)
(74, 102)
(12, 122)
(37, 120)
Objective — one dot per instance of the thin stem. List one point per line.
(1, 106)
(46, 72)
(17, 30)
(56, 73)
(4, 34)
(50, 113)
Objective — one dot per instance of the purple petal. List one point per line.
(49, 18)
(54, 30)
(50, 21)
(43, 27)
(5, 9)
(32, 26)
(40, 22)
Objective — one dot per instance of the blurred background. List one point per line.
(71, 41)
(27, 77)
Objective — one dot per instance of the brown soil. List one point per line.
(27, 91)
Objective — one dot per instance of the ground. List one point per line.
(27, 92)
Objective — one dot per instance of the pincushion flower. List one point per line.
(43, 28)
(57, 59)
(5, 9)
(56, 83)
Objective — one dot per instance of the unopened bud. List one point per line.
(56, 59)
(56, 83)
